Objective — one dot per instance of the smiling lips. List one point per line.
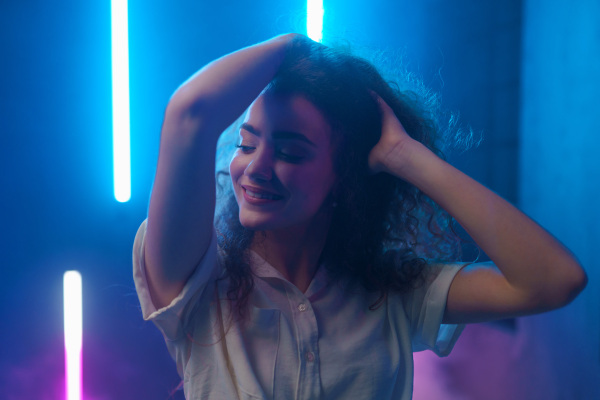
(258, 196)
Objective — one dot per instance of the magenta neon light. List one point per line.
(72, 296)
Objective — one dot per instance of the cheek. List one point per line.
(236, 168)
(314, 186)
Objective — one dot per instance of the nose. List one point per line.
(261, 166)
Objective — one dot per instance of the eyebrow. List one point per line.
(279, 135)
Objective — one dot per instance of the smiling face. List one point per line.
(282, 171)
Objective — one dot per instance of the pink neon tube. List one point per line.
(73, 334)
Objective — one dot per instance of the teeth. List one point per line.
(261, 195)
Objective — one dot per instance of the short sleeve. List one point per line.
(426, 308)
(172, 318)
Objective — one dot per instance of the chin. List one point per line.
(255, 224)
(263, 224)
(251, 226)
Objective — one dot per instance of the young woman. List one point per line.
(320, 273)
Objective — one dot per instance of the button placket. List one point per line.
(307, 340)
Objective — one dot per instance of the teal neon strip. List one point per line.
(314, 19)
(120, 99)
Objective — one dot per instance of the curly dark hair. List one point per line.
(384, 230)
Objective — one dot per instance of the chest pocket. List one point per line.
(253, 349)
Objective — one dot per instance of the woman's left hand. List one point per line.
(395, 149)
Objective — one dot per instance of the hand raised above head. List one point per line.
(392, 154)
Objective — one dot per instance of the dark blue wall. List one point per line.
(58, 210)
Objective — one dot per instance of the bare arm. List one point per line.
(536, 272)
(180, 217)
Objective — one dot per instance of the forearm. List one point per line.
(531, 260)
(218, 93)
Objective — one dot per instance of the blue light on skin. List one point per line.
(314, 19)
(120, 99)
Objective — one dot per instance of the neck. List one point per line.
(294, 251)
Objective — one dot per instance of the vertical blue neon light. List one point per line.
(120, 99)
(314, 19)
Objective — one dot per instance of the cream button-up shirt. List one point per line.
(322, 344)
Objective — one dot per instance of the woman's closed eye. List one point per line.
(292, 154)
(245, 148)
(287, 153)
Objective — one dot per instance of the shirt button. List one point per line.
(310, 357)
(302, 307)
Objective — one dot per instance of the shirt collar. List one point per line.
(262, 269)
